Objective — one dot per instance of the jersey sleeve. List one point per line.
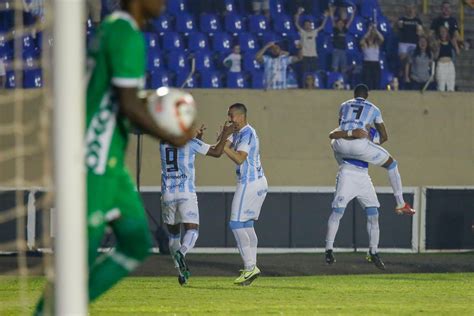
(198, 146)
(245, 142)
(127, 56)
(378, 116)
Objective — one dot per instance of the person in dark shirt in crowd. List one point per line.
(341, 27)
(418, 67)
(446, 20)
(410, 28)
(446, 49)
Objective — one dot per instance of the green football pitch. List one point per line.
(401, 294)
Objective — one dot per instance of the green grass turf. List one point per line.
(401, 294)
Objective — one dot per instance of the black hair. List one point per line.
(417, 51)
(361, 90)
(124, 4)
(239, 107)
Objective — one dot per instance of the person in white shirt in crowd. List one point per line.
(234, 61)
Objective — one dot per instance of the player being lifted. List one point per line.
(117, 57)
(353, 181)
(243, 148)
(358, 113)
(179, 200)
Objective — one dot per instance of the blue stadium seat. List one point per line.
(277, 7)
(204, 61)
(236, 80)
(28, 19)
(258, 24)
(248, 42)
(32, 78)
(209, 23)
(176, 7)
(151, 41)
(30, 61)
(221, 42)
(333, 77)
(154, 61)
(257, 80)
(29, 46)
(250, 64)
(324, 47)
(159, 79)
(198, 41)
(163, 24)
(368, 8)
(234, 23)
(230, 6)
(178, 62)
(293, 40)
(190, 83)
(385, 79)
(185, 23)
(211, 80)
(270, 37)
(351, 43)
(10, 79)
(383, 25)
(6, 46)
(283, 24)
(172, 41)
(319, 81)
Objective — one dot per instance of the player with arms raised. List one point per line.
(179, 200)
(117, 62)
(358, 113)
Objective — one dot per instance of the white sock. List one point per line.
(174, 244)
(333, 226)
(374, 233)
(189, 240)
(243, 244)
(253, 244)
(396, 183)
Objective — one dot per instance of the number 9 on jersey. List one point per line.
(173, 110)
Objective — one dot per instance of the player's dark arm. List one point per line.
(218, 149)
(354, 134)
(236, 156)
(135, 110)
(382, 131)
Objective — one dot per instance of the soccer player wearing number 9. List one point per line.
(358, 113)
(178, 199)
(243, 148)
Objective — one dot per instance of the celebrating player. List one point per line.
(358, 113)
(353, 181)
(117, 57)
(243, 148)
(179, 200)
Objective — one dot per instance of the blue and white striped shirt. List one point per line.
(358, 113)
(275, 71)
(247, 140)
(177, 165)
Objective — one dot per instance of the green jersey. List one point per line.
(116, 59)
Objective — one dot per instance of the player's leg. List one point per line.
(396, 183)
(133, 240)
(170, 217)
(344, 194)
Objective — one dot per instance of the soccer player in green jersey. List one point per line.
(117, 60)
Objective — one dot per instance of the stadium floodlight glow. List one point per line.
(69, 176)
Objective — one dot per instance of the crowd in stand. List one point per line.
(277, 44)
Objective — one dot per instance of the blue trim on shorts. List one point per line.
(356, 162)
(236, 225)
(371, 211)
(339, 210)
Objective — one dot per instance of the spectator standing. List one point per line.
(446, 20)
(446, 50)
(275, 66)
(234, 60)
(308, 37)
(418, 67)
(410, 28)
(370, 45)
(341, 27)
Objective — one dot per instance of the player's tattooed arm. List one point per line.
(382, 131)
(218, 149)
(135, 110)
(354, 134)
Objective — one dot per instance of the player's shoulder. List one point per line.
(120, 21)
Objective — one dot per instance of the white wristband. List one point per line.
(349, 133)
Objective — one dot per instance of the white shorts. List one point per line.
(360, 149)
(406, 48)
(353, 182)
(179, 207)
(248, 200)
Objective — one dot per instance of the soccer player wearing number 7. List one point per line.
(243, 148)
(179, 199)
(358, 113)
